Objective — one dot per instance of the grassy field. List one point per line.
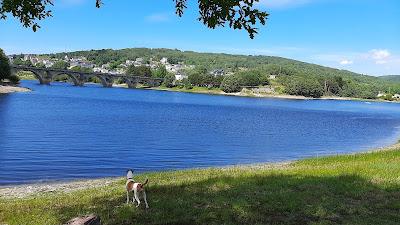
(348, 189)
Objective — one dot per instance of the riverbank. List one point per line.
(248, 93)
(5, 89)
(360, 188)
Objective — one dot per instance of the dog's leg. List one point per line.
(127, 197)
(137, 198)
(145, 199)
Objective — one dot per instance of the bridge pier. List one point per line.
(45, 77)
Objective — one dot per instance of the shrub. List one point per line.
(231, 84)
(169, 80)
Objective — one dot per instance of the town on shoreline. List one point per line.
(256, 76)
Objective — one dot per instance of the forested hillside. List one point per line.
(393, 78)
(293, 77)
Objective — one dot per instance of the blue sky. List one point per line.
(358, 35)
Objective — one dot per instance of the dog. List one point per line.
(136, 188)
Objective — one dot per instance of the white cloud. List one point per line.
(346, 62)
(381, 56)
(373, 62)
(158, 17)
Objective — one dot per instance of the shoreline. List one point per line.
(6, 89)
(251, 95)
(271, 96)
(241, 94)
(34, 189)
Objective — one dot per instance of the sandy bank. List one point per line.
(5, 89)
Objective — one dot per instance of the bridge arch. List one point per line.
(73, 77)
(130, 81)
(103, 80)
(40, 76)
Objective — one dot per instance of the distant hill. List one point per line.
(291, 74)
(393, 78)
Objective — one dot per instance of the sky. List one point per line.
(357, 35)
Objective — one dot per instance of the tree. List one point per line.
(169, 80)
(40, 65)
(231, 84)
(5, 70)
(20, 62)
(249, 78)
(61, 64)
(307, 87)
(160, 72)
(196, 79)
(140, 71)
(237, 14)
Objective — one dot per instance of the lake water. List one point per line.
(62, 132)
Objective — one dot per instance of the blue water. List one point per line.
(62, 132)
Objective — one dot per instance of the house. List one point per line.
(396, 96)
(47, 63)
(217, 72)
(164, 61)
(139, 61)
(381, 94)
(129, 62)
(272, 77)
(10, 58)
(180, 76)
(27, 57)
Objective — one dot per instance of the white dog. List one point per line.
(136, 188)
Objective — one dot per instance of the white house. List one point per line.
(396, 96)
(381, 94)
(272, 77)
(180, 76)
(47, 63)
(218, 72)
(164, 60)
(129, 62)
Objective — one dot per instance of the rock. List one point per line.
(85, 220)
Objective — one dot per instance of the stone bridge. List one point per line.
(47, 75)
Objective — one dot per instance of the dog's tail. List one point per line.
(147, 181)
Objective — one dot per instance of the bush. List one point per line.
(231, 84)
(169, 80)
(307, 87)
(249, 78)
(13, 79)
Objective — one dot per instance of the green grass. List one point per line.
(349, 189)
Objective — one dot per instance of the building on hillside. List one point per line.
(34, 60)
(396, 96)
(381, 94)
(272, 77)
(27, 57)
(47, 63)
(180, 76)
(164, 61)
(105, 66)
(10, 58)
(129, 62)
(218, 72)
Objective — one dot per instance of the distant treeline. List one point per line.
(293, 77)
